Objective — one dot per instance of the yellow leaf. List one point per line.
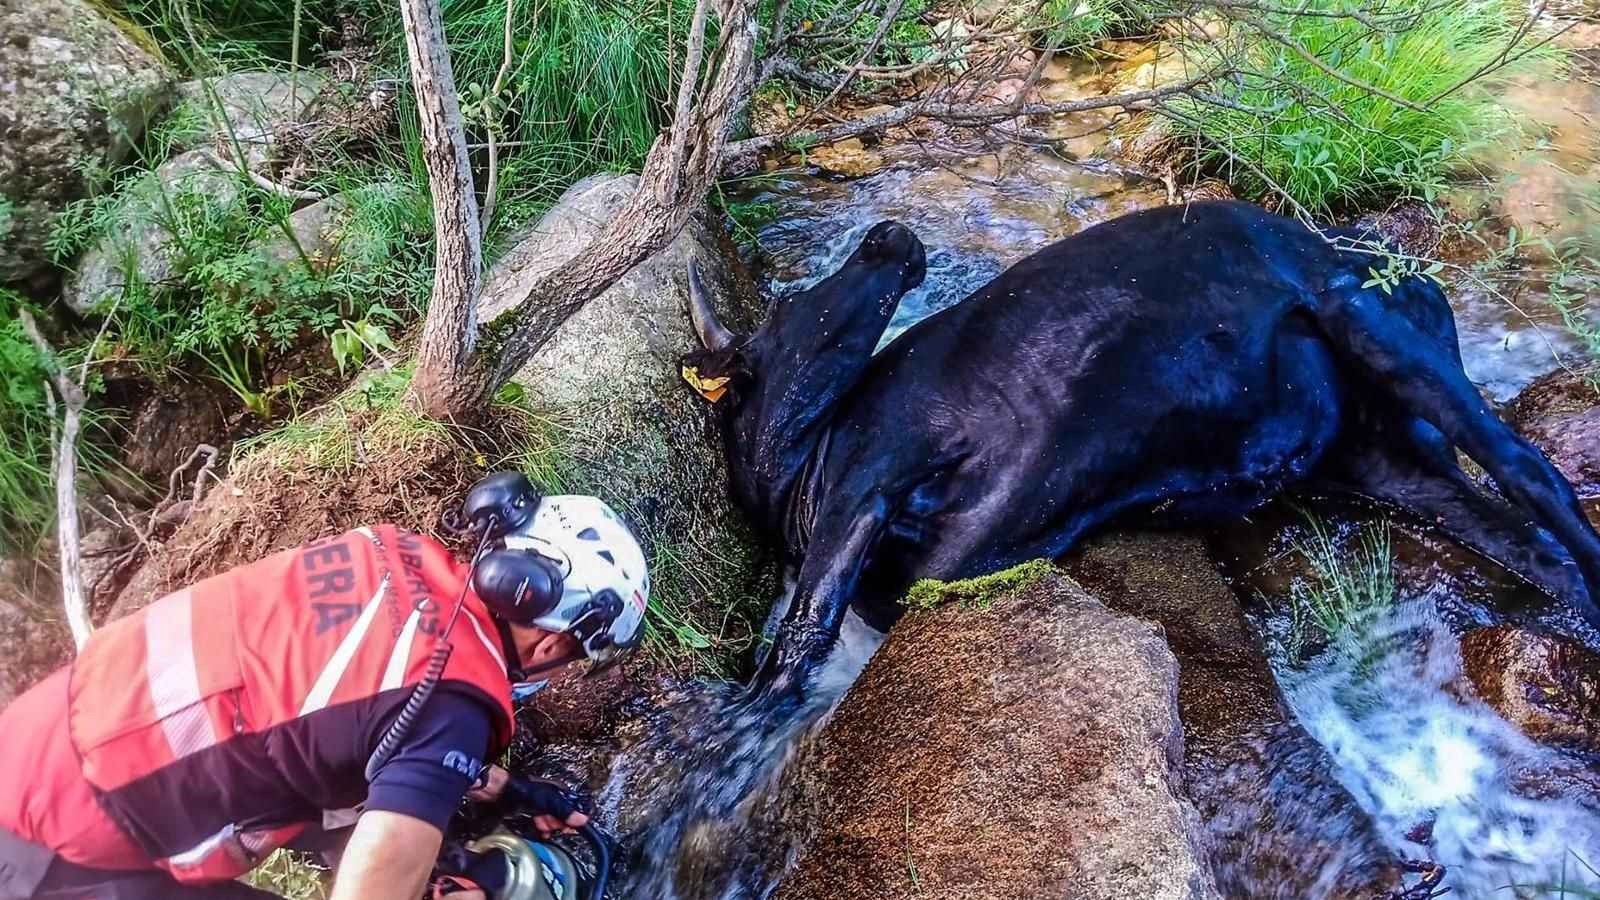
(710, 388)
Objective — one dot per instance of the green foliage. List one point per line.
(290, 875)
(588, 87)
(909, 39)
(206, 35)
(241, 288)
(26, 499)
(1076, 25)
(981, 592)
(1349, 586)
(1288, 125)
(334, 438)
(1572, 292)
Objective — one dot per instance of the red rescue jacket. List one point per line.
(210, 700)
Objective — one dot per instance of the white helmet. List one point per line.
(605, 583)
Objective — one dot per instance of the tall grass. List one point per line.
(1349, 585)
(26, 503)
(206, 36)
(1401, 115)
(587, 90)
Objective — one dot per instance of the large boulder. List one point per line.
(624, 426)
(1023, 746)
(1546, 685)
(76, 91)
(1279, 824)
(225, 129)
(31, 630)
(1560, 412)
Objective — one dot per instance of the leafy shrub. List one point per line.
(1286, 124)
(241, 288)
(908, 40)
(1076, 25)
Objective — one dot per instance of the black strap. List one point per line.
(23, 865)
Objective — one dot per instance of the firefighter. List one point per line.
(300, 701)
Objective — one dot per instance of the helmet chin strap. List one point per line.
(515, 670)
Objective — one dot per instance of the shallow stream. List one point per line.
(1442, 776)
(1406, 738)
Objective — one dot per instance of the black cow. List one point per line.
(1174, 366)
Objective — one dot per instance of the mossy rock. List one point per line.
(623, 426)
(981, 592)
(76, 93)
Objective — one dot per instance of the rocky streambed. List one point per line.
(1445, 728)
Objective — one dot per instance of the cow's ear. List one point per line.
(717, 374)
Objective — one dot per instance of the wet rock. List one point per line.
(625, 426)
(167, 427)
(988, 12)
(76, 91)
(1410, 226)
(849, 158)
(1279, 824)
(1028, 749)
(1546, 685)
(243, 112)
(140, 248)
(1560, 413)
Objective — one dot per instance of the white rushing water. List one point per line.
(1414, 747)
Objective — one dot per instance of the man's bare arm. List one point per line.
(389, 857)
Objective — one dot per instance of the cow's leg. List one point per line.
(1424, 377)
(1411, 465)
(843, 540)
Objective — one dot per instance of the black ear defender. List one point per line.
(518, 586)
(496, 506)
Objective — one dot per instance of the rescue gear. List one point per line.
(563, 563)
(496, 505)
(239, 654)
(518, 587)
(506, 866)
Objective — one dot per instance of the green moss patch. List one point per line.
(981, 592)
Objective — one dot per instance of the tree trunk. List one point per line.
(447, 384)
(457, 372)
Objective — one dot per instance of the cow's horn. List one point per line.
(713, 334)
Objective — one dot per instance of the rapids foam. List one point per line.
(1421, 754)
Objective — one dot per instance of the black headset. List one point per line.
(518, 586)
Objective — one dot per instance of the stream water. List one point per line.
(1442, 776)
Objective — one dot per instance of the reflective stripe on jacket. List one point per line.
(205, 699)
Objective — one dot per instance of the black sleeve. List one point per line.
(436, 763)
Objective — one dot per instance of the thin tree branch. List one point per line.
(69, 549)
(490, 123)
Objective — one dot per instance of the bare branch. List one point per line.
(491, 180)
(967, 114)
(66, 468)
